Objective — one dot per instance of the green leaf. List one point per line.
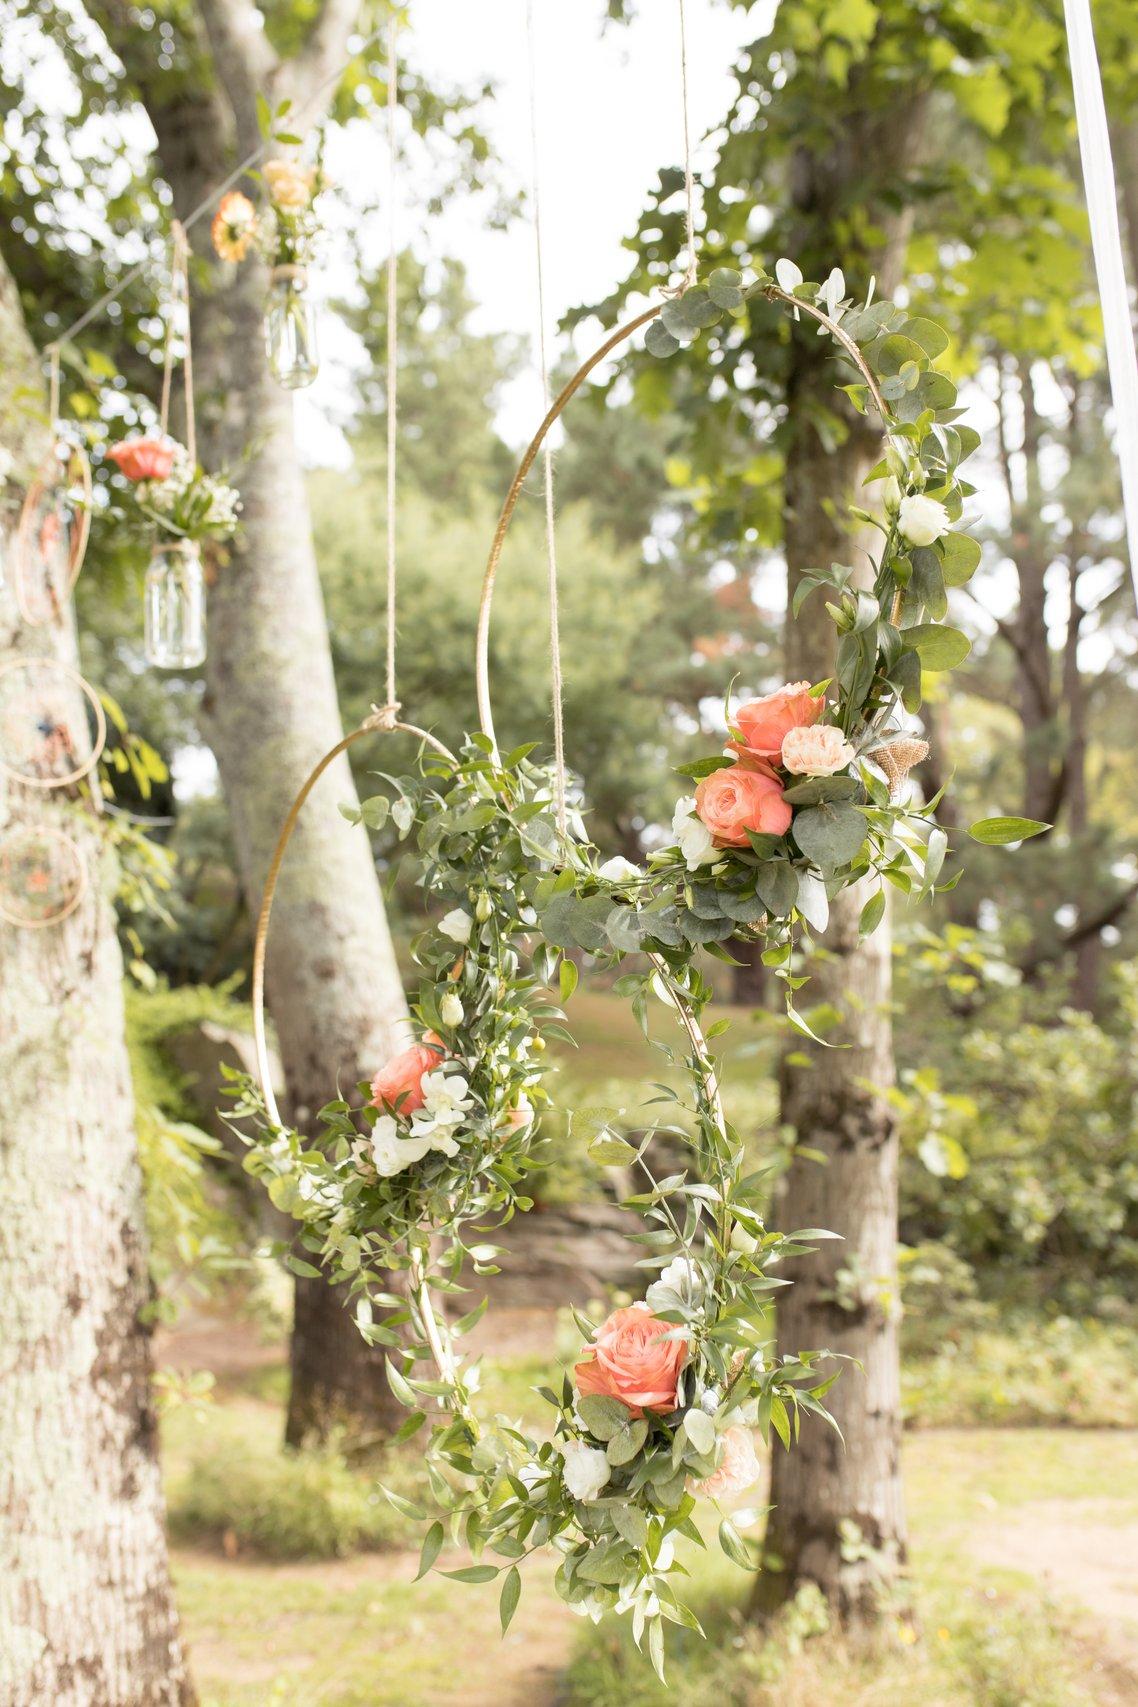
(700, 1430)
(960, 554)
(830, 835)
(568, 978)
(872, 914)
(999, 832)
(432, 1546)
(813, 902)
(626, 1443)
(602, 1416)
(399, 1386)
(630, 1522)
(931, 337)
(609, 1151)
(777, 885)
(656, 1648)
(474, 1573)
(937, 646)
(511, 1594)
(734, 1546)
(724, 288)
(658, 341)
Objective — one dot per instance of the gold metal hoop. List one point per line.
(48, 479)
(773, 293)
(377, 723)
(90, 697)
(81, 876)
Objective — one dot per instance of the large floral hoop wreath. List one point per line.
(660, 1411)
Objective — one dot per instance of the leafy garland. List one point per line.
(661, 1406)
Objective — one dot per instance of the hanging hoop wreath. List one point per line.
(43, 876)
(51, 537)
(659, 1412)
(52, 724)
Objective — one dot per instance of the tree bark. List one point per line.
(270, 709)
(844, 1296)
(87, 1615)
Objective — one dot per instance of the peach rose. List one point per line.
(234, 226)
(732, 801)
(289, 185)
(633, 1362)
(738, 1466)
(765, 723)
(143, 458)
(398, 1087)
(816, 750)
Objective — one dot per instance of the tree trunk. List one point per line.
(750, 980)
(87, 1614)
(270, 710)
(845, 1295)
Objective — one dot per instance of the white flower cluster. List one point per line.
(692, 835)
(186, 496)
(434, 1126)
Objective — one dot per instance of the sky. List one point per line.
(610, 114)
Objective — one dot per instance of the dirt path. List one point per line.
(1085, 1551)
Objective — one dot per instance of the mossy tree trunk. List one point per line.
(270, 709)
(87, 1615)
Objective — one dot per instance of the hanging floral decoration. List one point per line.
(168, 495)
(656, 1418)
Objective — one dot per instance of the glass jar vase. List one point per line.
(175, 606)
(290, 328)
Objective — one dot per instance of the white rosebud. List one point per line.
(618, 869)
(709, 1400)
(743, 1241)
(680, 1276)
(891, 495)
(484, 907)
(922, 520)
(457, 925)
(692, 835)
(392, 1150)
(451, 1010)
(586, 1469)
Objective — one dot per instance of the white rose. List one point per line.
(692, 835)
(586, 1469)
(457, 925)
(891, 495)
(682, 1276)
(451, 1010)
(816, 749)
(922, 520)
(742, 1241)
(618, 869)
(391, 1152)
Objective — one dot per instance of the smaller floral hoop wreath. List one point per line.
(80, 876)
(55, 470)
(381, 721)
(71, 677)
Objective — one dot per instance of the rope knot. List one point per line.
(898, 758)
(384, 716)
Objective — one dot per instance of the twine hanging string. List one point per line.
(692, 268)
(557, 685)
(390, 710)
(53, 385)
(179, 310)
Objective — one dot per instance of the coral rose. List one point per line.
(143, 458)
(730, 802)
(289, 185)
(818, 750)
(632, 1361)
(765, 723)
(738, 1466)
(399, 1086)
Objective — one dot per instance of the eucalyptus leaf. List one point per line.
(831, 834)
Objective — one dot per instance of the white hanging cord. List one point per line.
(1106, 241)
(556, 678)
(391, 709)
(691, 270)
(178, 308)
(53, 396)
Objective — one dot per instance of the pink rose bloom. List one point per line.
(765, 723)
(730, 802)
(818, 749)
(143, 458)
(633, 1362)
(738, 1467)
(398, 1087)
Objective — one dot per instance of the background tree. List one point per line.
(86, 1608)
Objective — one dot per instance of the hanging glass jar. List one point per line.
(290, 328)
(175, 606)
